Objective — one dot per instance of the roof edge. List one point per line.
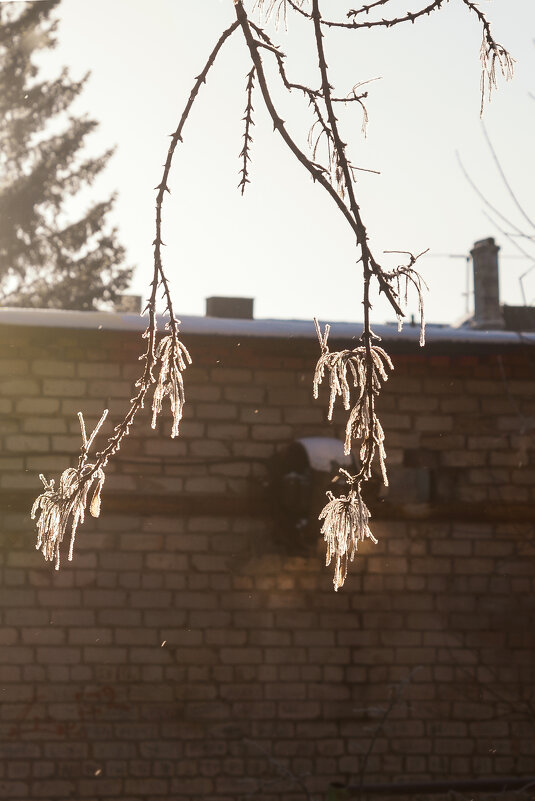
(259, 328)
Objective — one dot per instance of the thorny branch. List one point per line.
(247, 138)
(66, 505)
(356, 376)
(383, 23)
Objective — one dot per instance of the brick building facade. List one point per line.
(195, 648)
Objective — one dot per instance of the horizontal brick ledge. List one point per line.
(239, 505)
(497, 784)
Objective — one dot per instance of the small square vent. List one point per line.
(234, 308)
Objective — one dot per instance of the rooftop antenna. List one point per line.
(521, 282)
(467, 258)
(468, 291)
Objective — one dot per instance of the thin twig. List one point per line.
(504, 179)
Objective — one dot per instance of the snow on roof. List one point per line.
(274, 329)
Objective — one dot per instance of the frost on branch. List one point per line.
(356, 376)
(174, 358)
(65, 507)
(404, 277)
(345, 525)
(364, 369)
(367, 368)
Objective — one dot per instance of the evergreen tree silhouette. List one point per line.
(46, 259)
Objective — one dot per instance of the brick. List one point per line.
(70, 407)
(46, 464)
(260, 414)
(474, 387)
(104, 598)
(91, 635)
(44, 425)
(449, 547)
(393, 422)
(14, 366)
(20, 387)
(21, 443)
(150, 599)
(226, 431)
(145, 786)
(415, 656)
(13, 789)
(201, 787)
(210, 563)
(278, 639)
(167, 561)
(8, 636)
(90, 788)
(43, 636)
(65, 443)
(271, 432)
(205, 485)
(16, 598)
(510, 423)
(59, 597)
(216, 411)
(242, 394)
(235, 656)
(464, 404)
(380, 564)
(254, 619)
(296, 396)
(279, 378)
(299, 710)
(417, 403)
(209, 448)
(6, 406)
(436, 423)
(303, 416)
(18, 770)
(453, 745)
(107, 389)
(479, 566)
(226, 375)
(320, 638)
(53, 369)
(61, 655)
(100, 370)
(495, 406)
(443, 441)
(105, 654)
(142, 542)
(70, 616)
(25, 617)
(64, 387)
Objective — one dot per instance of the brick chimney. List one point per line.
(487, 311)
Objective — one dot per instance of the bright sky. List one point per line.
(284, 243)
